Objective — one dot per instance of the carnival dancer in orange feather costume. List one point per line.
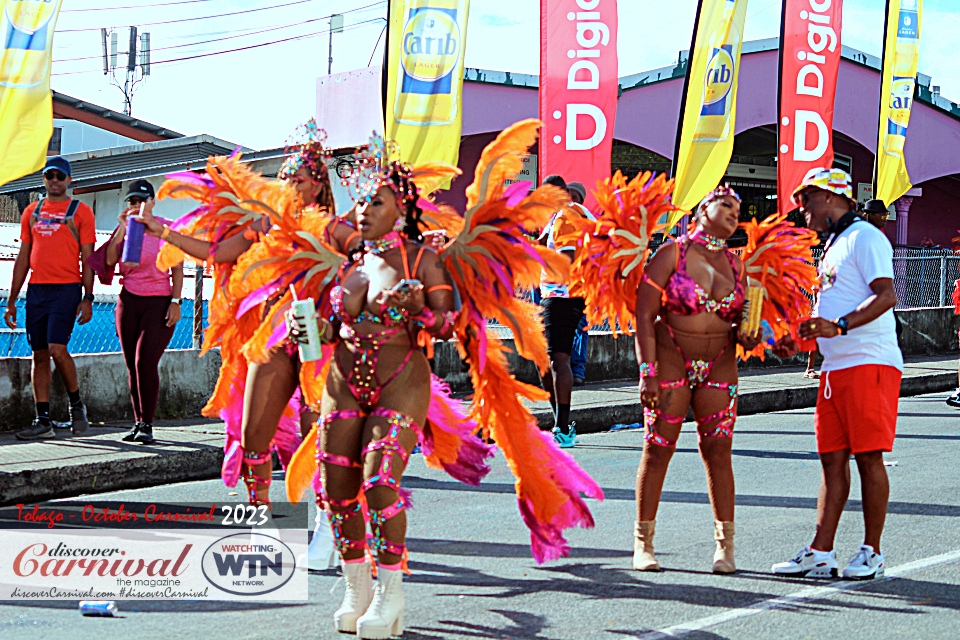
(687, 307)
(380, 398)
(242, 214)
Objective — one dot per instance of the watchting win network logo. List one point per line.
(248, 564)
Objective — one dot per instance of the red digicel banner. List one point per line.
(810, 61)
(578, 89)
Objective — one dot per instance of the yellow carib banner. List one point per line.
(424, 106)
(705, 139)
(901, 55)
(26, 107)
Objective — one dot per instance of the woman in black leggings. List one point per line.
(147, 312)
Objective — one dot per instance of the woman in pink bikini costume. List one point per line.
(689, 305)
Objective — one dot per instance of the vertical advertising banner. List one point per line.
(579, 83)
(901, 56)
(810, 46)
(424, 100)
(26, 106)
(705, 138)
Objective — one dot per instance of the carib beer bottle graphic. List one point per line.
(904, 77)
(714, 122)
(26, 28)
(431, 59)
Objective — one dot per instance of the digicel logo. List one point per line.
(584, 75)
(810, 82)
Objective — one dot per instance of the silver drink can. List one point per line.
(98, 608)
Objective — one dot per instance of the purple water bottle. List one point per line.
(133, 244)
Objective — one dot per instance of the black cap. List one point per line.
(874, 206)
(556, 181)
(140, 189)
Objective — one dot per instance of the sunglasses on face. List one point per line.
(55, 175)
(135, 201)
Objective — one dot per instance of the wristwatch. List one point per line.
(842, 324)
(88, 297)
(176, 301)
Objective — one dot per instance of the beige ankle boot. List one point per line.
(643, 558)
(723, 556)
(384, 617)
(357, 598)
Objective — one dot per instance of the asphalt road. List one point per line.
(473, 576)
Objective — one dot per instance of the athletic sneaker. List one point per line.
(809, 563)
(145, 435)
(866, 564)
(78, 419)
(131, 435)
(39, 430)
(566, 441)
(954, 400)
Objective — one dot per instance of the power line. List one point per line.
(139, 6)
(252, 46)
(210, 17)
(231, 37)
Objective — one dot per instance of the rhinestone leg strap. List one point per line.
(390, 449)
(339, 511)
(255, 459)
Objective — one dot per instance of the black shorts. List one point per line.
(561, 317)
(51, 313)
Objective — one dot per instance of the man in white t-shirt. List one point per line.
(860, 381)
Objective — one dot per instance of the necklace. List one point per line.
(383, 244)
(713, 244)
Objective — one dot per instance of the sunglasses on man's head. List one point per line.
(53, 174)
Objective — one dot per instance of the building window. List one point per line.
(53, 149)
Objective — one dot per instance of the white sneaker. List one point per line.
(866, 564)
(809, 563)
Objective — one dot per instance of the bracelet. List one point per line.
(165, 234)
(428, 320)
(648, 369)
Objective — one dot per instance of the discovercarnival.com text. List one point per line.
(74, 594)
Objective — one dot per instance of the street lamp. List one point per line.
(336, 26)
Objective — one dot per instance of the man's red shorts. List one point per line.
(857, 409)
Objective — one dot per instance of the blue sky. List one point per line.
(258, 96)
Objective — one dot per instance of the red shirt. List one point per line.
(54, 251)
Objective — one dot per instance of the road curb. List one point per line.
(30, 486)
(202, 462)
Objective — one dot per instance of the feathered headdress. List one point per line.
(378, 165)
(307, 149)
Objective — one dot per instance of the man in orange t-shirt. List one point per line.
(57, 236)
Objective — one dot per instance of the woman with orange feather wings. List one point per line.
(380, 398)
(242, 219)
(684, 332)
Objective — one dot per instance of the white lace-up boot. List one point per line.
(384, 618)
(357, 598)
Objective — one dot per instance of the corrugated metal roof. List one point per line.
(92, 168)
(116, 116)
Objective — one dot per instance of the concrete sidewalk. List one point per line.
(192, 450)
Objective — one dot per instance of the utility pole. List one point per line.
(336, 26)
(136, 44)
